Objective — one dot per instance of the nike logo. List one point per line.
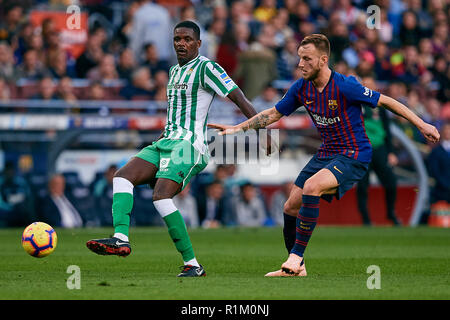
(176, 240)
(337, 169)
(199, 271)
(309, 102)
(118, 243)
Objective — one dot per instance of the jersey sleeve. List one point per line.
(216, 79)
(290, 101)
(358, 94)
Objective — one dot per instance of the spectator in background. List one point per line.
(386, 30)
(232, 45)
(248, 208)
(268, 98)
(322, 13)
(58, 65)
(126, 64)
(278, 200)
(347, 12)
(426, 57)
(123, 32)
(151, 24)
(91, 56)
(339, 39)
(5, 92)
(56, 209)
(105, 71)
(257, 66)
(96, 91)
(16, 200)
(47, 89)
(9, 27)
(433, 115)
(31, 67)
(214, 34)
(265, 11)
(141, 87)
(188, 207)
(288, 59)
(382, 65)
(103, 195)
(6, 62)
(211, 208)
(35, 42)
(161, 79)
(409, 29)
(440, 38)
(377, 125)
(152, 59)
(438, 163)
(441, 74)
(65, 90)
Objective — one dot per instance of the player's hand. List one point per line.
(224, 129)
(430, 132)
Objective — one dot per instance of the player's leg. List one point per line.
(290, 212)
(137, 171)
(323, 182)
(165, 190)
(362, 198)
(387, 179)
(182, 163)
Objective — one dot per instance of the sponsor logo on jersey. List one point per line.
(163, 164)
(367, 92)
(178, 86)
(225, 78)
(325, 121)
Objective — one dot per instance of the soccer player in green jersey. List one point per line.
(181, 151)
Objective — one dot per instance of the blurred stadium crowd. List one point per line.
(255, 41)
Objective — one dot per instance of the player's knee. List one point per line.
(312, 188)
(158, 195)
(291, 208)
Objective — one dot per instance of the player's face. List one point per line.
(185, 44)
(311, 61)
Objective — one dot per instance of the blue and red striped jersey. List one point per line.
(336, 113)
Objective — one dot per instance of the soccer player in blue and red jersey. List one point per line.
(334, 103)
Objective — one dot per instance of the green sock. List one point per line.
(179, 235)
(121, 210)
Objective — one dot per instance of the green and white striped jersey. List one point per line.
(190, 92)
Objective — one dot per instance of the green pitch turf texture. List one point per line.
(414, 264)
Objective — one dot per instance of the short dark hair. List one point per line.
(190, 25)
(320, 41)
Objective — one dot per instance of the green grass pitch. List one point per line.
(414, 264)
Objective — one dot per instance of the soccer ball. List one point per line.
(39, 239)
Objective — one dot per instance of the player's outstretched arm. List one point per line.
(238, 97)
(429, 131)
(259, 121)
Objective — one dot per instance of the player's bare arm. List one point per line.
(238, 97)
(259, 121)
(429, 131)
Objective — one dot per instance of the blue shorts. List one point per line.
(346, 170)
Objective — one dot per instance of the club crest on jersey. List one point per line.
(332, 104)
(190, 71)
